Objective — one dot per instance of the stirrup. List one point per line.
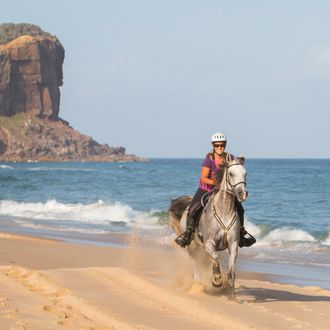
(184, 239)
(181, 240)
(246, 241)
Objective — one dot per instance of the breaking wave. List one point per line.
(99, 213)
(327, 240)
(6, 167)
(284, 234)
(287, 234)
(100, 216)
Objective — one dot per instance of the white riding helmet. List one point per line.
(218, 137)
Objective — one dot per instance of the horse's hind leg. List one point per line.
(197, 273)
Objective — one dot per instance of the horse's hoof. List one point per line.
(217, 282)
(231, 293)
(233, 299)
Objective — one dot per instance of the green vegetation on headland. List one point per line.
(10, 31)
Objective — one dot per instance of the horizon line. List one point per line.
(274, 158)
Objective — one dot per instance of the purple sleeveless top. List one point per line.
(210, 163)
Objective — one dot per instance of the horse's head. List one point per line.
(236, 178)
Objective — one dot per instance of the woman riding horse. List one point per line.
(213, 164)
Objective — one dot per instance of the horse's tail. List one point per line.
(178, 206)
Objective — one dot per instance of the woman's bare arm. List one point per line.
(204, 176)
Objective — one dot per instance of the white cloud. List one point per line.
(319, 61)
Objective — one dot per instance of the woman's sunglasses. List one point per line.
(222, 145)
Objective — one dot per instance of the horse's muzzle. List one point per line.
(242, 194)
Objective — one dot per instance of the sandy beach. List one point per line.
(50, 284)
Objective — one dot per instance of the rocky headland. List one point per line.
(31, 74)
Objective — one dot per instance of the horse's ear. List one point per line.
(241, 157)
(229, 158)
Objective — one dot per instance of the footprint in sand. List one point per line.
(10, 313)
(25, 326)
(62, 311)
(59, 293)
(49, 308)
(4, 302)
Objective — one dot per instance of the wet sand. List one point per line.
(50, 284)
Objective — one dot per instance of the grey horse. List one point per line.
(219, 225)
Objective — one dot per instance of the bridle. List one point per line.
(232, 186)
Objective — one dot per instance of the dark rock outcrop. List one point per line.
(30, 128)
(28, 138)
(31, 72)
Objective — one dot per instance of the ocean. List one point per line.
(287, 208)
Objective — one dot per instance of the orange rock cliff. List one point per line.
(31, 74)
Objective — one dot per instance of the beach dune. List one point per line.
(49, 284)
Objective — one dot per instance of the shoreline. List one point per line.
(47, 282)
(300, 275)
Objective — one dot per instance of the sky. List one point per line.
(159, 77)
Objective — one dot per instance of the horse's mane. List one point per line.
(219, 176)
(229, 161)
(221, 172)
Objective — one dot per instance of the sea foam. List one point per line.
(95, 213)
(6, 167)
(252, 228)
(327, 240)
(288, 234)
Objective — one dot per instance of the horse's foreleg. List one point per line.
(210, 248)
(217, 279)
(233, 251)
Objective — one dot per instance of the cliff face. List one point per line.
(31, 73)
(30, 128)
